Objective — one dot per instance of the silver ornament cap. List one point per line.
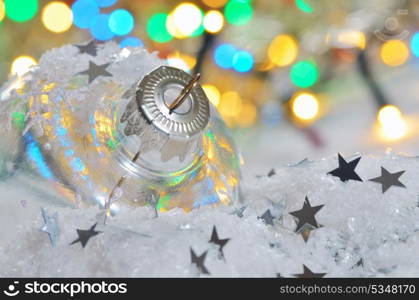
(157, 93)
(165, 118)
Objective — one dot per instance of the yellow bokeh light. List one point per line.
(212, 93)
(57, 17)
(181, 61)
(283, 50)
(2, 10)
(248, 115)
(230, 104)
(352, 39)
(305, 106)
(22, 64)
(213, 21)
(184, 20)
(388, 114)
(394, 53)
(392, 124)
(215, 3)
(172, 28)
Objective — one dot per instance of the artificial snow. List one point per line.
(357, 223)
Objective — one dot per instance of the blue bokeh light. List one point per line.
(414, 44)
(224, 54)
(105, 3)
(242, 61)
(83, 12)
(99, 28)
(132, 42)
(121, 22)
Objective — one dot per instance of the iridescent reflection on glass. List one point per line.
(63, 136)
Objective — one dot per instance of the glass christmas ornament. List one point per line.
(101, 127)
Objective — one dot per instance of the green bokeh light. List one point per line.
(238, 12)
(156, 28)
(21, 10)
(304, 74)
(200, 30)
(304, 6)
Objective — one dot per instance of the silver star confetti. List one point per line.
(309, 274)
(90, 48)
(94, 71)
(198, 261)
(267, 218)
(85, 235)
(306, 218)
(51, 226)
(388, 179)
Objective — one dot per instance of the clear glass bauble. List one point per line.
(62, 138)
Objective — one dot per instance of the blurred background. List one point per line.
(292, 78)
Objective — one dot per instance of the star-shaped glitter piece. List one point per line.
(306, 216)
(359, 263)
(90, 48)
(240, 211)
(388, 179)
(94, 71)
(346, 170)
(267, 218)
(85, 235)
(309, 274)
(50, 226)
(219, 242)
(199, 261)
(269, 174)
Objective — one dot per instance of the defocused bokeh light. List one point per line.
(182, 61)
(393, 126)
(22, 64)
(283, 50)
(105, 3)
(99, 28)
(212, 93)
(304, 6)
(57, 17)
(304, 74)
(352, 38)
(414, 44)
(215, 3)
(247, 115)
(2, 10)
(186, 18)
(238, 12)
(121, 22)
(179, 63)
(262, 62)
(230, 104)
(242, 61)
(156, 28)
(305, 106)
(213, 21)
(83, 12)
(21, 10)
(394, 53)
(131, 42)
(224, 55)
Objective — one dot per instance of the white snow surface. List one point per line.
(357, 222)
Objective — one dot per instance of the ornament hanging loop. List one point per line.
(185, 92)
